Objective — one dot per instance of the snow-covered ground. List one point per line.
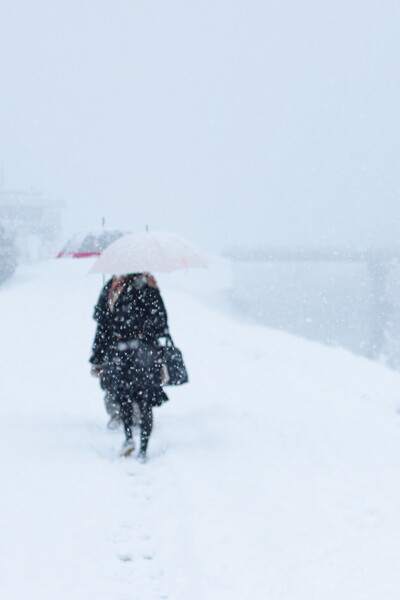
(274, 475)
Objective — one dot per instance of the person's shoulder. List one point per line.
(150, 295)
(152, 291)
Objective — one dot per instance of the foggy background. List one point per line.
(228, 122)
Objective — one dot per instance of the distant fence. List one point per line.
(377, 261)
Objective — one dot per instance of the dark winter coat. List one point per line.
(126, 341)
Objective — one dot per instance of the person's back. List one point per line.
(131, 316)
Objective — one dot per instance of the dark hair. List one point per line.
(136, 280)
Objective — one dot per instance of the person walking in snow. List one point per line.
(112, 407)
(126, 353)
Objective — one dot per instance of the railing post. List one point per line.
(379, 307)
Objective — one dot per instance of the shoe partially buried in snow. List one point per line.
(127, 448)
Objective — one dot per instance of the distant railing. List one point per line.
(304, 254)
(376, 260)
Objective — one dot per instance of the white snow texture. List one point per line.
(273, 475)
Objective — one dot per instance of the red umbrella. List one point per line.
(92, 243)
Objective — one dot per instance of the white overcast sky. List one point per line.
(226, 121)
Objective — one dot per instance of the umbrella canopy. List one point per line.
(147, 252)
(92, 243)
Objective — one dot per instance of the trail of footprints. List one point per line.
(135, 546)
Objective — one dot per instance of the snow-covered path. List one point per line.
(274, 474)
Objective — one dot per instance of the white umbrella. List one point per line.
(147, 252)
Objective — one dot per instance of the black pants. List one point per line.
(113, 408)
(143, 399)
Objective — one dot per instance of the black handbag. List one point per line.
(173, 363)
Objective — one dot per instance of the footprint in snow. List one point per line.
(156, 573)
(125, 557)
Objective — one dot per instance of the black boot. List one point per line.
(146, 428)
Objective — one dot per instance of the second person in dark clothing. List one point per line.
(126, 354)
